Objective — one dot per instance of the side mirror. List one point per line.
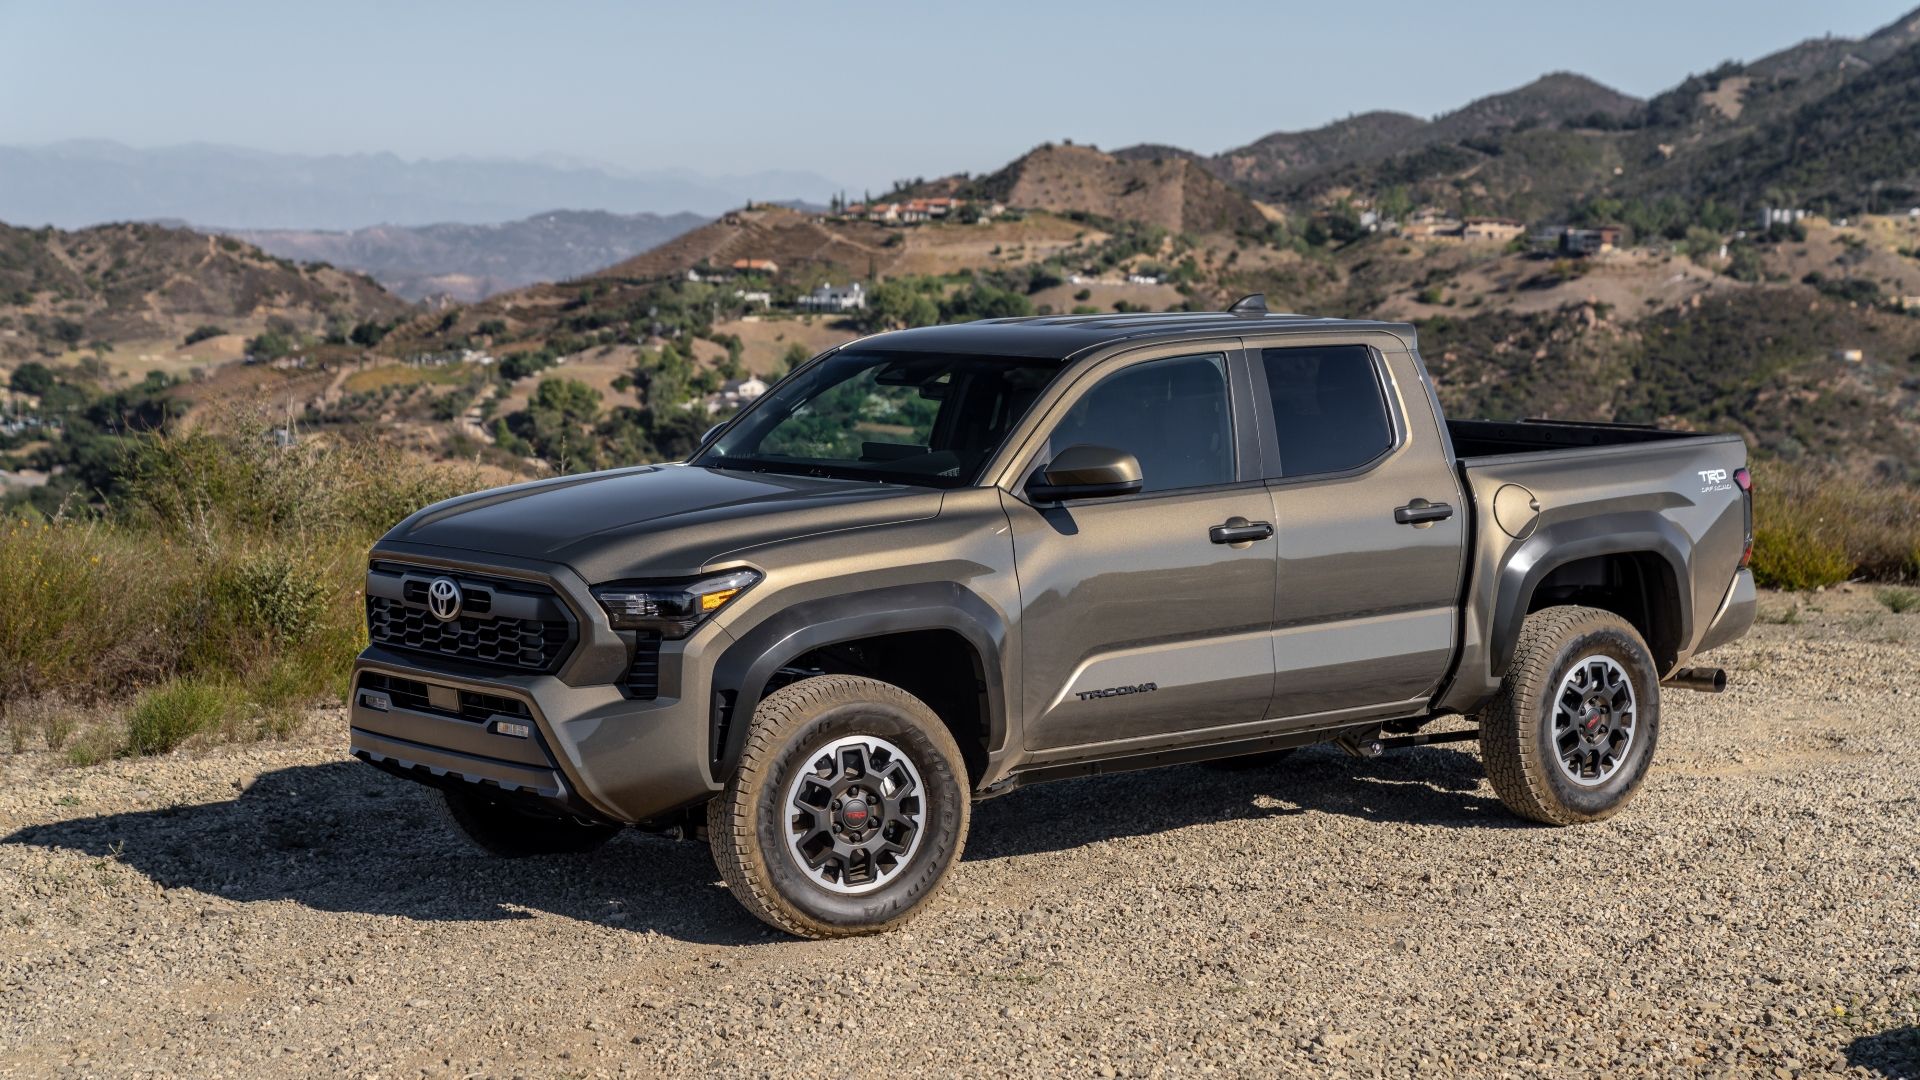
(1086, 472)
(708, 437)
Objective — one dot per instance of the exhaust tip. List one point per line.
(1703, 679)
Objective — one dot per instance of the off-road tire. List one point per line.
(501, 828)
(1516, 728)
(745, 822)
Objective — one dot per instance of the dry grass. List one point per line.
(225, 595)
(1815, 527)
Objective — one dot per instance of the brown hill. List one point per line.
(792, 239)
(1278, 163)
(1173, 193)
(136, 282)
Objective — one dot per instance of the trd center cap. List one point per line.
(856, 815)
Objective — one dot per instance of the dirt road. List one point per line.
(281, 910)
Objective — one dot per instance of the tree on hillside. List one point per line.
(32, 377)
(894, 305)
(558, 424)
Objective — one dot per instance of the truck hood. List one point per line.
(655, 520)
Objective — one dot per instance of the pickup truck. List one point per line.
(935, 565)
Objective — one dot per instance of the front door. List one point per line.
(1142, 619)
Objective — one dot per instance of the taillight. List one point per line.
(1743, 479)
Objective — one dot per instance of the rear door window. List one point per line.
(1329, 409)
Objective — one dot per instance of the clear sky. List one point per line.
(860, 93)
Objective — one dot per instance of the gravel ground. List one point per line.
(281, 910)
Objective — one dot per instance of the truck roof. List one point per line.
(1063, 337)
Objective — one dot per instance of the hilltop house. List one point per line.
(1431, 223)
(1501, 230)
(1594, 241)
(909, 212)
(736, 392)
(830, 297)
(756, 266)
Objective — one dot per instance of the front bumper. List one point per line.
(570, 739)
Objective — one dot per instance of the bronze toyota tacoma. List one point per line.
(934, 565)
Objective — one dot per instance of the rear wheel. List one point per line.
(502, 828)
(1571, 734)
(848, 809)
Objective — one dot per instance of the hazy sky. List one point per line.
(859, 93)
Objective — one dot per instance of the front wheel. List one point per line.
(848, 809)
(1570, 735)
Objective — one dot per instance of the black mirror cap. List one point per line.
(1086, 472)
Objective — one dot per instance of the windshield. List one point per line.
(909, 418)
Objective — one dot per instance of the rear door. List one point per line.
(1139, 622)
(1371, 525)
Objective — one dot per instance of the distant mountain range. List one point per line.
(86, 182)
(472, 262)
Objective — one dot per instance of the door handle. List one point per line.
(1420, 513)
(1240, 531)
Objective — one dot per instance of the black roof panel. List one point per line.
(1065, 336)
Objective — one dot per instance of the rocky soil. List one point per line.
(281, 910)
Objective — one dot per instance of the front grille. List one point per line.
(643, 675)
(474, 706)
(502, 623)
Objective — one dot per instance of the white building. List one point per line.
(754, 296)
(736, 392)
(831, 297)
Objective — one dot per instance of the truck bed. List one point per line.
(1495, 438)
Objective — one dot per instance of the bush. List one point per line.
(1817, 526)
(1790, 557)
(172, 714)
(1899, 601)
(202, 333)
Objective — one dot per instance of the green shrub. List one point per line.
(1793, 558)
(171, 714)
(1899, 601)
(273, 593)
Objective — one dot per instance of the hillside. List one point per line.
(1277, 164)
(472, 262)
(790, 238)
(1172, 193)
(115, 284)
(1844, 151)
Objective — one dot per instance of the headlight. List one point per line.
(672, 611)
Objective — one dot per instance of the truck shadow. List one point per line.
(1425, 786)
(344, 837)
(1894, 1053)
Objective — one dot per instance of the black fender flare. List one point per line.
(755, 655)
(1633, 532)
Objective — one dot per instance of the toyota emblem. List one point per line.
(444, 599)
